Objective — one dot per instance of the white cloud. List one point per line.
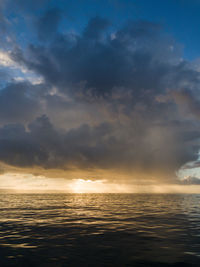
(20, 73)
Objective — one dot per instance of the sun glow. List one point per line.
(29, 182)
(87, 186)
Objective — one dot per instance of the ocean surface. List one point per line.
(99, 230)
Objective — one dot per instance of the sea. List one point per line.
(99, 229)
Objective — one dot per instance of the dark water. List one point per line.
(99, 230)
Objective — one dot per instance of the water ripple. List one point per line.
(99, 229)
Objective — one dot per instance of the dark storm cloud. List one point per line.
(120, 59)
(4, 23)
(96, 28)
(136, 57)
(189, 102)
(48, 23)
(42, 145)
(132, 84)
(97, 147)
(20, 102)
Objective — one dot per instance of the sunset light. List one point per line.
(99, 133)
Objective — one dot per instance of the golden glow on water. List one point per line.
(69, 227)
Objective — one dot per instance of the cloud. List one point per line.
(105, 63)
(5, 59)
(12, 71)
(96, 28)
(188, 102)
(29, 5)
(191, 181)
(101, 147)
(113, 98)
(20, 102)
(42, 145)
(3, 20)
(47, 25)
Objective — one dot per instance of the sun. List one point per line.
(86, 186)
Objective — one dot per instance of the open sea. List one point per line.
(99, 230)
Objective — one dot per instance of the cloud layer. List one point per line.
(110, 98)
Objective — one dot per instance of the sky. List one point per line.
(100, 96)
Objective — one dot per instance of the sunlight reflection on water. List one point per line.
(99, 229)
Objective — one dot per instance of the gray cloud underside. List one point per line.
(190, 181)
(112, 99)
